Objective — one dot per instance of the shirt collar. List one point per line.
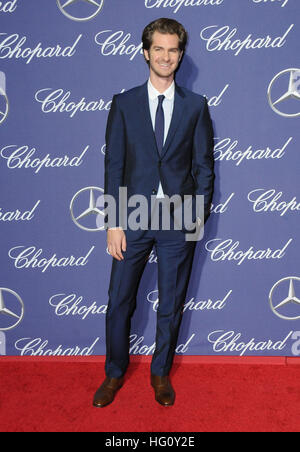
(154, 93)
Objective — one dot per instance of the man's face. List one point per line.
(164, 55)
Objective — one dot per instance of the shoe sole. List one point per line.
(165, 404)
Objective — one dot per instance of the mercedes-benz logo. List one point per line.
(4, 106)
(293, 92)
(96, 7)
(289, 301)
(13, 313)
(87, 212)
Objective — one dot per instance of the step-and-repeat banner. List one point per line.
(61, 62)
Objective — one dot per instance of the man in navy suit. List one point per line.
(159, 141)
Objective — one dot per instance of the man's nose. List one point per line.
(166, 56)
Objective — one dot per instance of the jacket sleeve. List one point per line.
(114, 162)
(203, 160)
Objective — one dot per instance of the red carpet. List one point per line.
(57, 396)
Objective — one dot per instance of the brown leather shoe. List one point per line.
(164, 393)
(107, 391)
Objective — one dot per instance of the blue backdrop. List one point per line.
(60, 64)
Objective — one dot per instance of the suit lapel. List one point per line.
(179, 107)
(176, 117)
(145, 116)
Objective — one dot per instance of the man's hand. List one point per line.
(116, 242)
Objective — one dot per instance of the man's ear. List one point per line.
(181, 55)
(146, 55)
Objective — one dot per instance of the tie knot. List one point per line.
(161, 99)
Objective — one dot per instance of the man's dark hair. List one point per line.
(164, 26)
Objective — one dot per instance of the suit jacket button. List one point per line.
(154, 192)
(159, 163)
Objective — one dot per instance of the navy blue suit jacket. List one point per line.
(132, 160)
